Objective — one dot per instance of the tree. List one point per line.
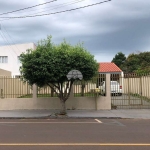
(119, 60)
(138, 63)
(49, 65)
(132, 63)
(144, 61)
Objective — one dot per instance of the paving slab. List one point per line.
(134, 113)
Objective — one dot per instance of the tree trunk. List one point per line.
(63, 111)
(82, 89)
(52, 92)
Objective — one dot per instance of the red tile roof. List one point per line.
(108, 67)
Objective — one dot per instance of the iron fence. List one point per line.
(80, 89)
(89, 88)
(45, 91)
(135, 91)
(132, 90)
(11, 87)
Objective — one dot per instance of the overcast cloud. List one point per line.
(105, 29)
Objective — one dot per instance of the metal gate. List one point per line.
(133, 91)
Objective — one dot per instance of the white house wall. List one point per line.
(13, 51)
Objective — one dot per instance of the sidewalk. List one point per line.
(124, 114)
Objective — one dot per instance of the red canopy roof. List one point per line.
(108, 67)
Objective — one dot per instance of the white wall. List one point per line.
(12, 51)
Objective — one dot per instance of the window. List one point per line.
(3, 59)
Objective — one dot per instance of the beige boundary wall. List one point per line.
(13, 87)
(90, 103)
(139, 86)
(4, 72)
(80, 103)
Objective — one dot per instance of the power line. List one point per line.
(60, 5)
(11, 39)
(28, 7)
(5, 37)
(55, 7)
(5, 40)
(58, 11)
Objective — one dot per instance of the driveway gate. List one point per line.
(135, 91)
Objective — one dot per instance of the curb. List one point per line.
(62, 117)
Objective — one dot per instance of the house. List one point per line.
(9, 57)
(111, 68)
(108, 67)
(4, 72)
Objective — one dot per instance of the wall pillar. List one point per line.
(71, 92)
(1, 87)
(122, 81)
(104, 102)
(34, 92)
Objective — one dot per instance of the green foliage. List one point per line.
(134, 63)
(119, 60)
(51, 63)
(138, 63)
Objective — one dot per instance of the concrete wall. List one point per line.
(46, 103)
(13, 51)
(4, 72)
(54, 103)
(104, 102)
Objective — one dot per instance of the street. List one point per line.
(45, 134)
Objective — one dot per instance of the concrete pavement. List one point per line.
(120, 113)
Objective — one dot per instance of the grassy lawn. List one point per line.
(141, 97)
(85, 95)
(46, 95)
(26, 96)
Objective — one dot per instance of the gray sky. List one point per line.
(105, 29)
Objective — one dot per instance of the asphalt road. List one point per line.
(74, 134)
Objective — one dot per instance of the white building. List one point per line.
(9, 56)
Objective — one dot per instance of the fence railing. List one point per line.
(11, 87)
(134, 87)
(88, 88)
(80, 89)
(135, 90)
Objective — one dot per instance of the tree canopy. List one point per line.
(49, 65)
(138, 63)
(119, 60)
(134, 63)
